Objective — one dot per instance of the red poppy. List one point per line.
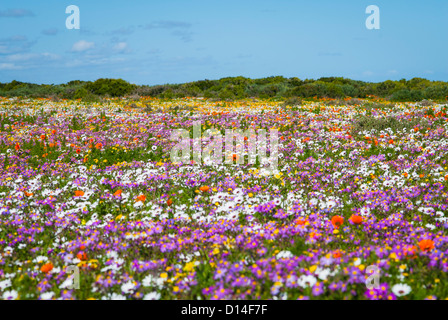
(82, 256)
(337, 221)
(426, 245)
(47, 267)
(337, 254)
(356, 219)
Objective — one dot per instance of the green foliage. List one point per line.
(85, 95)
(293, 101)
(111, 87)
(239, 87)
(369, 123)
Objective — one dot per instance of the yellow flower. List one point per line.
(189, 266)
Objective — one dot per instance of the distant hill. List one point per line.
(415, 89)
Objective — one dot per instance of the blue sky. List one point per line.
(175, 41)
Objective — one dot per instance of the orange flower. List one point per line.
(233, 157)
(17, 147)
(47, 267)
(337, 221)
(79, 193)
(82, 256)
(118, 193)
(78, 151)
(337, 254)
(169, 202)
(426, 245)
(301, 221)
(356, 219)
(204, 188)
(141, 198)
(391, 141)
(28, 194)
(42, 137)
(99, 145)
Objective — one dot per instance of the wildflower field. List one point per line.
(92, 185)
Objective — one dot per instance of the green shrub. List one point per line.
(293, 101)
(85, 95)
(112, 87)
(369, 123)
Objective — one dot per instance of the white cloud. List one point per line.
(16, 13)
(32, 57)
(9, 66)
(92, 61)
(82, 45)
(121, 46)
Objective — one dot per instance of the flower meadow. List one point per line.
(92, 185)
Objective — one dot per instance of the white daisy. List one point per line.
(152, 296)
(128, 287)
(284, 254)
(331, 204)
(307, 281)
(401, 289)
(365, 211)
(47, 295)
(5, 284)
(10, 295)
